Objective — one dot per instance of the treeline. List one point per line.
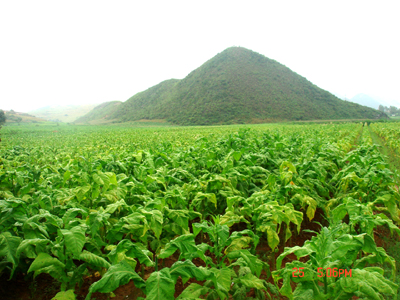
(392, 110)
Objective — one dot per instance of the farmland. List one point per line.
(229, 212)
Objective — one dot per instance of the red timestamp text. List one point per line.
(328, 272)
(333, 272)
(295, 270)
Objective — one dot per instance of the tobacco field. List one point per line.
(223, 212)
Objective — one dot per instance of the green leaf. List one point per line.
(186, 245)
(74, 239)
(97, 179)
(94, 259)
(288, 167)
(246, 259)
(186, 270)
(304, 291)
(44, 263)
(116, 276)
(160, 286)
(66, 295)
(70, 215)
(6, 194)
(180, 217)
(272, 237)
(193, 291)
(138, 156)
(31, 247)
(368, 282)
(67, 176)
(312, 206)
(111, 208)
(204, 197)
(251, 281)
(80, 192)
(237, 155)
(223, 279)
(126, 248)
(112, 177)
(238, 244)
(156, 221)
(8, 246)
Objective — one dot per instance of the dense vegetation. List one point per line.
(12, 116)
(392, 110)
(238, 86)
(2, 117)
(100, 112)
(390, 132)
(225, 211)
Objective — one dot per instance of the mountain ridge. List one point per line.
(366, 100)
(238, 86)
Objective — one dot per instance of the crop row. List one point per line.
(125, 202)
(390, 132)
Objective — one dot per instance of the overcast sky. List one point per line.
(80, 52)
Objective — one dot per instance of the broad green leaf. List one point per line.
(246, 259)
(180, 217)
(238, 244)
(272, 237)
(6, 194)
(367, 282)
(138, 156)
(186, 270)
(72, 213)
(67, 176)
(74, 239)
(297, 250)
(97, 179)
(230, 218)
(203, 197)
(80, 192)
(31, 247)
(304, 291)
(44, 263)
(186, 245)
(156, 221)
(112, 177)
(67, 295)
(8, 247)
(237, 155)
(93, 259)
(126, 248)
(251, 281)
(116, 276)
(312, 206)
(160, 286)
(223, 279)
(193, 291)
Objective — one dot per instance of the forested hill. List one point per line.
(100, 112)
(238, 86)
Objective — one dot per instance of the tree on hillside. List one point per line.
(2, 117)
(393, 109)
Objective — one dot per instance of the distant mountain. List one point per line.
(366, 100)
(63, 113)
(237, 86)
(100, 112)
(19, 117)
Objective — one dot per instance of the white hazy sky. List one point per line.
(80, 52)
